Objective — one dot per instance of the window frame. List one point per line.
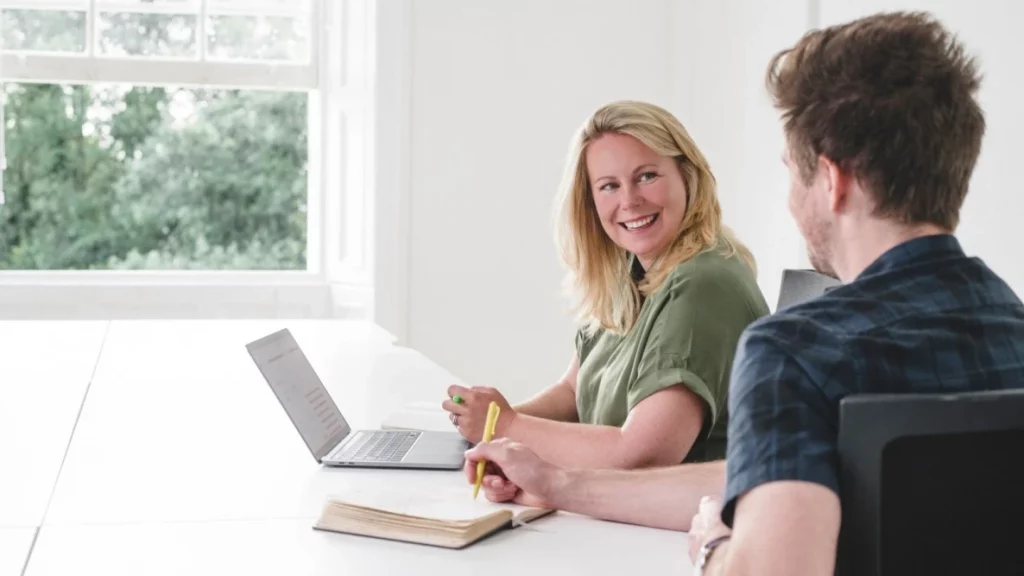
(338, 277)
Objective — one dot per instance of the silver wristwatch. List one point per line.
(705, 552)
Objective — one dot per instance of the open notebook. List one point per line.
(446, 518)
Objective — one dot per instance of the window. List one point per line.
(183, 141)
(121, 176)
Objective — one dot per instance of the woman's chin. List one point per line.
(641, 249)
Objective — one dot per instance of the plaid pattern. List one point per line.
(922, 318)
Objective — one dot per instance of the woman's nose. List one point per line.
(630, 196)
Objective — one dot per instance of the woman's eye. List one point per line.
(609, 186)
(648, 176)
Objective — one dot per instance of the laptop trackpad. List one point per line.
(438, 448)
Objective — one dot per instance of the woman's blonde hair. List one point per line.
(599, 283)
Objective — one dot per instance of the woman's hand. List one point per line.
(470, 415)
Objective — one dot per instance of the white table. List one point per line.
(180, 425)
(45, 368)
(14, 546)
(184, 462)
(567, 545)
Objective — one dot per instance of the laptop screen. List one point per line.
(300, 391)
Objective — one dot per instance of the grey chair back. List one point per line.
(801, 285)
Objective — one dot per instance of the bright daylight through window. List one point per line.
(157, 134)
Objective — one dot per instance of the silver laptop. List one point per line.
(324, 429)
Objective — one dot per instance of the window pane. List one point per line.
(173, 6)
(265, 7)
(134, 177)
(133, 34)
(258, 38)
(44, 30)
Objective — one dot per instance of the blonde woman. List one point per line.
(662, 291)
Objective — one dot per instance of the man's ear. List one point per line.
(837, 183)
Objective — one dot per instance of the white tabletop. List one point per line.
(184, 462)
(14, 546)
(180, 425)
(563, 544)
(45, 368)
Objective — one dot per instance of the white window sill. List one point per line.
(69, 295)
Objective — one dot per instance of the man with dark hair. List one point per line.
(883, 131)
(889, 101)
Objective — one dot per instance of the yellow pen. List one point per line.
(492, 422)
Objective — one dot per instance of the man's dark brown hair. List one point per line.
(890, 99)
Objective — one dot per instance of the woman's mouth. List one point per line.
(640, 223)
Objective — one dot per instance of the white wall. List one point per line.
(990, 29)
(497, 90)
(498, 87)
(721, 51)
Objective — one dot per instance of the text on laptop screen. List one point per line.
(301, 392)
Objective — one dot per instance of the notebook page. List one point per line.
(438, 502)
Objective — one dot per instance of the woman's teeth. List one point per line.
(641, 223)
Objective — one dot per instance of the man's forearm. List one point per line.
(771, 521)
(661, 497)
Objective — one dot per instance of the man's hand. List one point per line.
(514, 473)
(706, 525)
(470, 415)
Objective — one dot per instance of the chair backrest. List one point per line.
(800, 285)
(932, 484)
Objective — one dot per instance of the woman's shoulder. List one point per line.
(713, 275)
(709, 269)
(585, 339)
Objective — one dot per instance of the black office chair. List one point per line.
(932, 484)
(800, 285)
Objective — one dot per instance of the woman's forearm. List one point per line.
(557, 402)
(573, 445)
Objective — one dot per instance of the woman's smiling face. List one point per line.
(640, 195)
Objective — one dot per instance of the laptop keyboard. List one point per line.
(383, 446)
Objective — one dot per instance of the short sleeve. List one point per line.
(692, 340)
(584, 343)
(782, 425)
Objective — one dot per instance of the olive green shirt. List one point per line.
(686, 333)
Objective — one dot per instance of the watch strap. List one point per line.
(706, 549)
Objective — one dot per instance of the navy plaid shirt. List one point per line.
(922, 318)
